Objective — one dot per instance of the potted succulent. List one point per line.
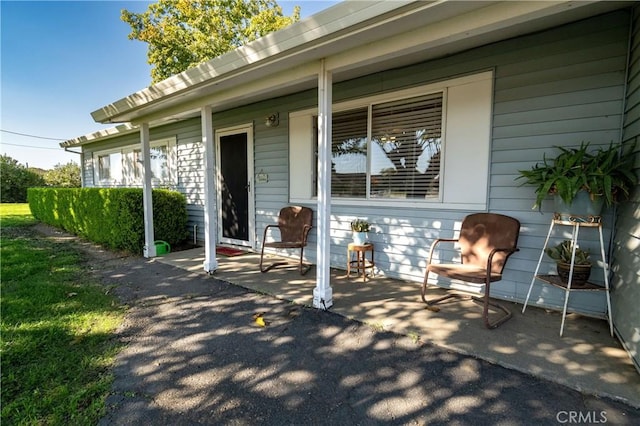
(360, 227)
(581, 265)
(582, 180)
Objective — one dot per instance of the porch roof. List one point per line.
(354, 39)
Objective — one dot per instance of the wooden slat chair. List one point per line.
(294, 223)
(486, 241)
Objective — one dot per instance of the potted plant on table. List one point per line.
(581, 265)
(360, 227)
(582, 181)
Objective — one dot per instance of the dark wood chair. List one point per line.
(294, 223)
(486, 241)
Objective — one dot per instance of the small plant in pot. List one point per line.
(581, 267)
(604, 176)
(360, 227)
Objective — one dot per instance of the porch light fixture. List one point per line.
(272, 120)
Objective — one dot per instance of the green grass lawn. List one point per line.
(57, 344)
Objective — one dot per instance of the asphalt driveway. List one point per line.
(196, 352)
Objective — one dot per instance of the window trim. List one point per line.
(448, 197)
(98, 180)
(126, 153)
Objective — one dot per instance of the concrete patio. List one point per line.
(586, 358)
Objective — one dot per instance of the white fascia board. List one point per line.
(236, 94)
(321, 25)
(112, 132)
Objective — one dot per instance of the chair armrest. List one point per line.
(264, 236)
(305, 233)
(435, 243)
(509, 250)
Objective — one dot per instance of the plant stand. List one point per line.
(576, 222)
(361, 263)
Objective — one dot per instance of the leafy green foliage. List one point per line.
(57, 330)
(182, 34)
(63, 176)
(15, 180)
(113, 217)
(360, 225)
(562, 253)
(606, 172)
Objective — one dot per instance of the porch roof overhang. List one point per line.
(353, 38)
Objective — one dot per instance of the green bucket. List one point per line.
(162, 247)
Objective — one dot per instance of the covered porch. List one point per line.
(587, 358)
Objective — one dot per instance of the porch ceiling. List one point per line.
(354, 39)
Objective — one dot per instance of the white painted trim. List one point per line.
(172, 162)
(126, 152)
(210, 172)
(301, 158)
(95, 160)
(322, 293)
(147, 193)
(226, 131)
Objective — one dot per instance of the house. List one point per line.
(434, 106)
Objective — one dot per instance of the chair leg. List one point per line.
(430, 303)
(303, 269)
(263, 269)
(261, 257)
(486, 302)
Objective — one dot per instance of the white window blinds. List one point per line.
(405, 151)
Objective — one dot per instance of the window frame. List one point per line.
(128, 162)
(111, 179)
(447, 197)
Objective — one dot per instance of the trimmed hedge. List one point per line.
(112, 217)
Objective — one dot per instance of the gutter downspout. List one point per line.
(81, 154)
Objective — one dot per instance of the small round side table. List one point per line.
(361, 263)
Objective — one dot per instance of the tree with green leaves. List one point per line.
(184, 33)
(64, 176)
(15, 179)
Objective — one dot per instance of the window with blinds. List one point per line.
(388, 148)
(349, 153)
(406, 140)
(404, 154)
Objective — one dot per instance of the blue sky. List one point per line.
(62, 60)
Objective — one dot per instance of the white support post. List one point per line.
(322, 293)
(210, 173)
(147, 197)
